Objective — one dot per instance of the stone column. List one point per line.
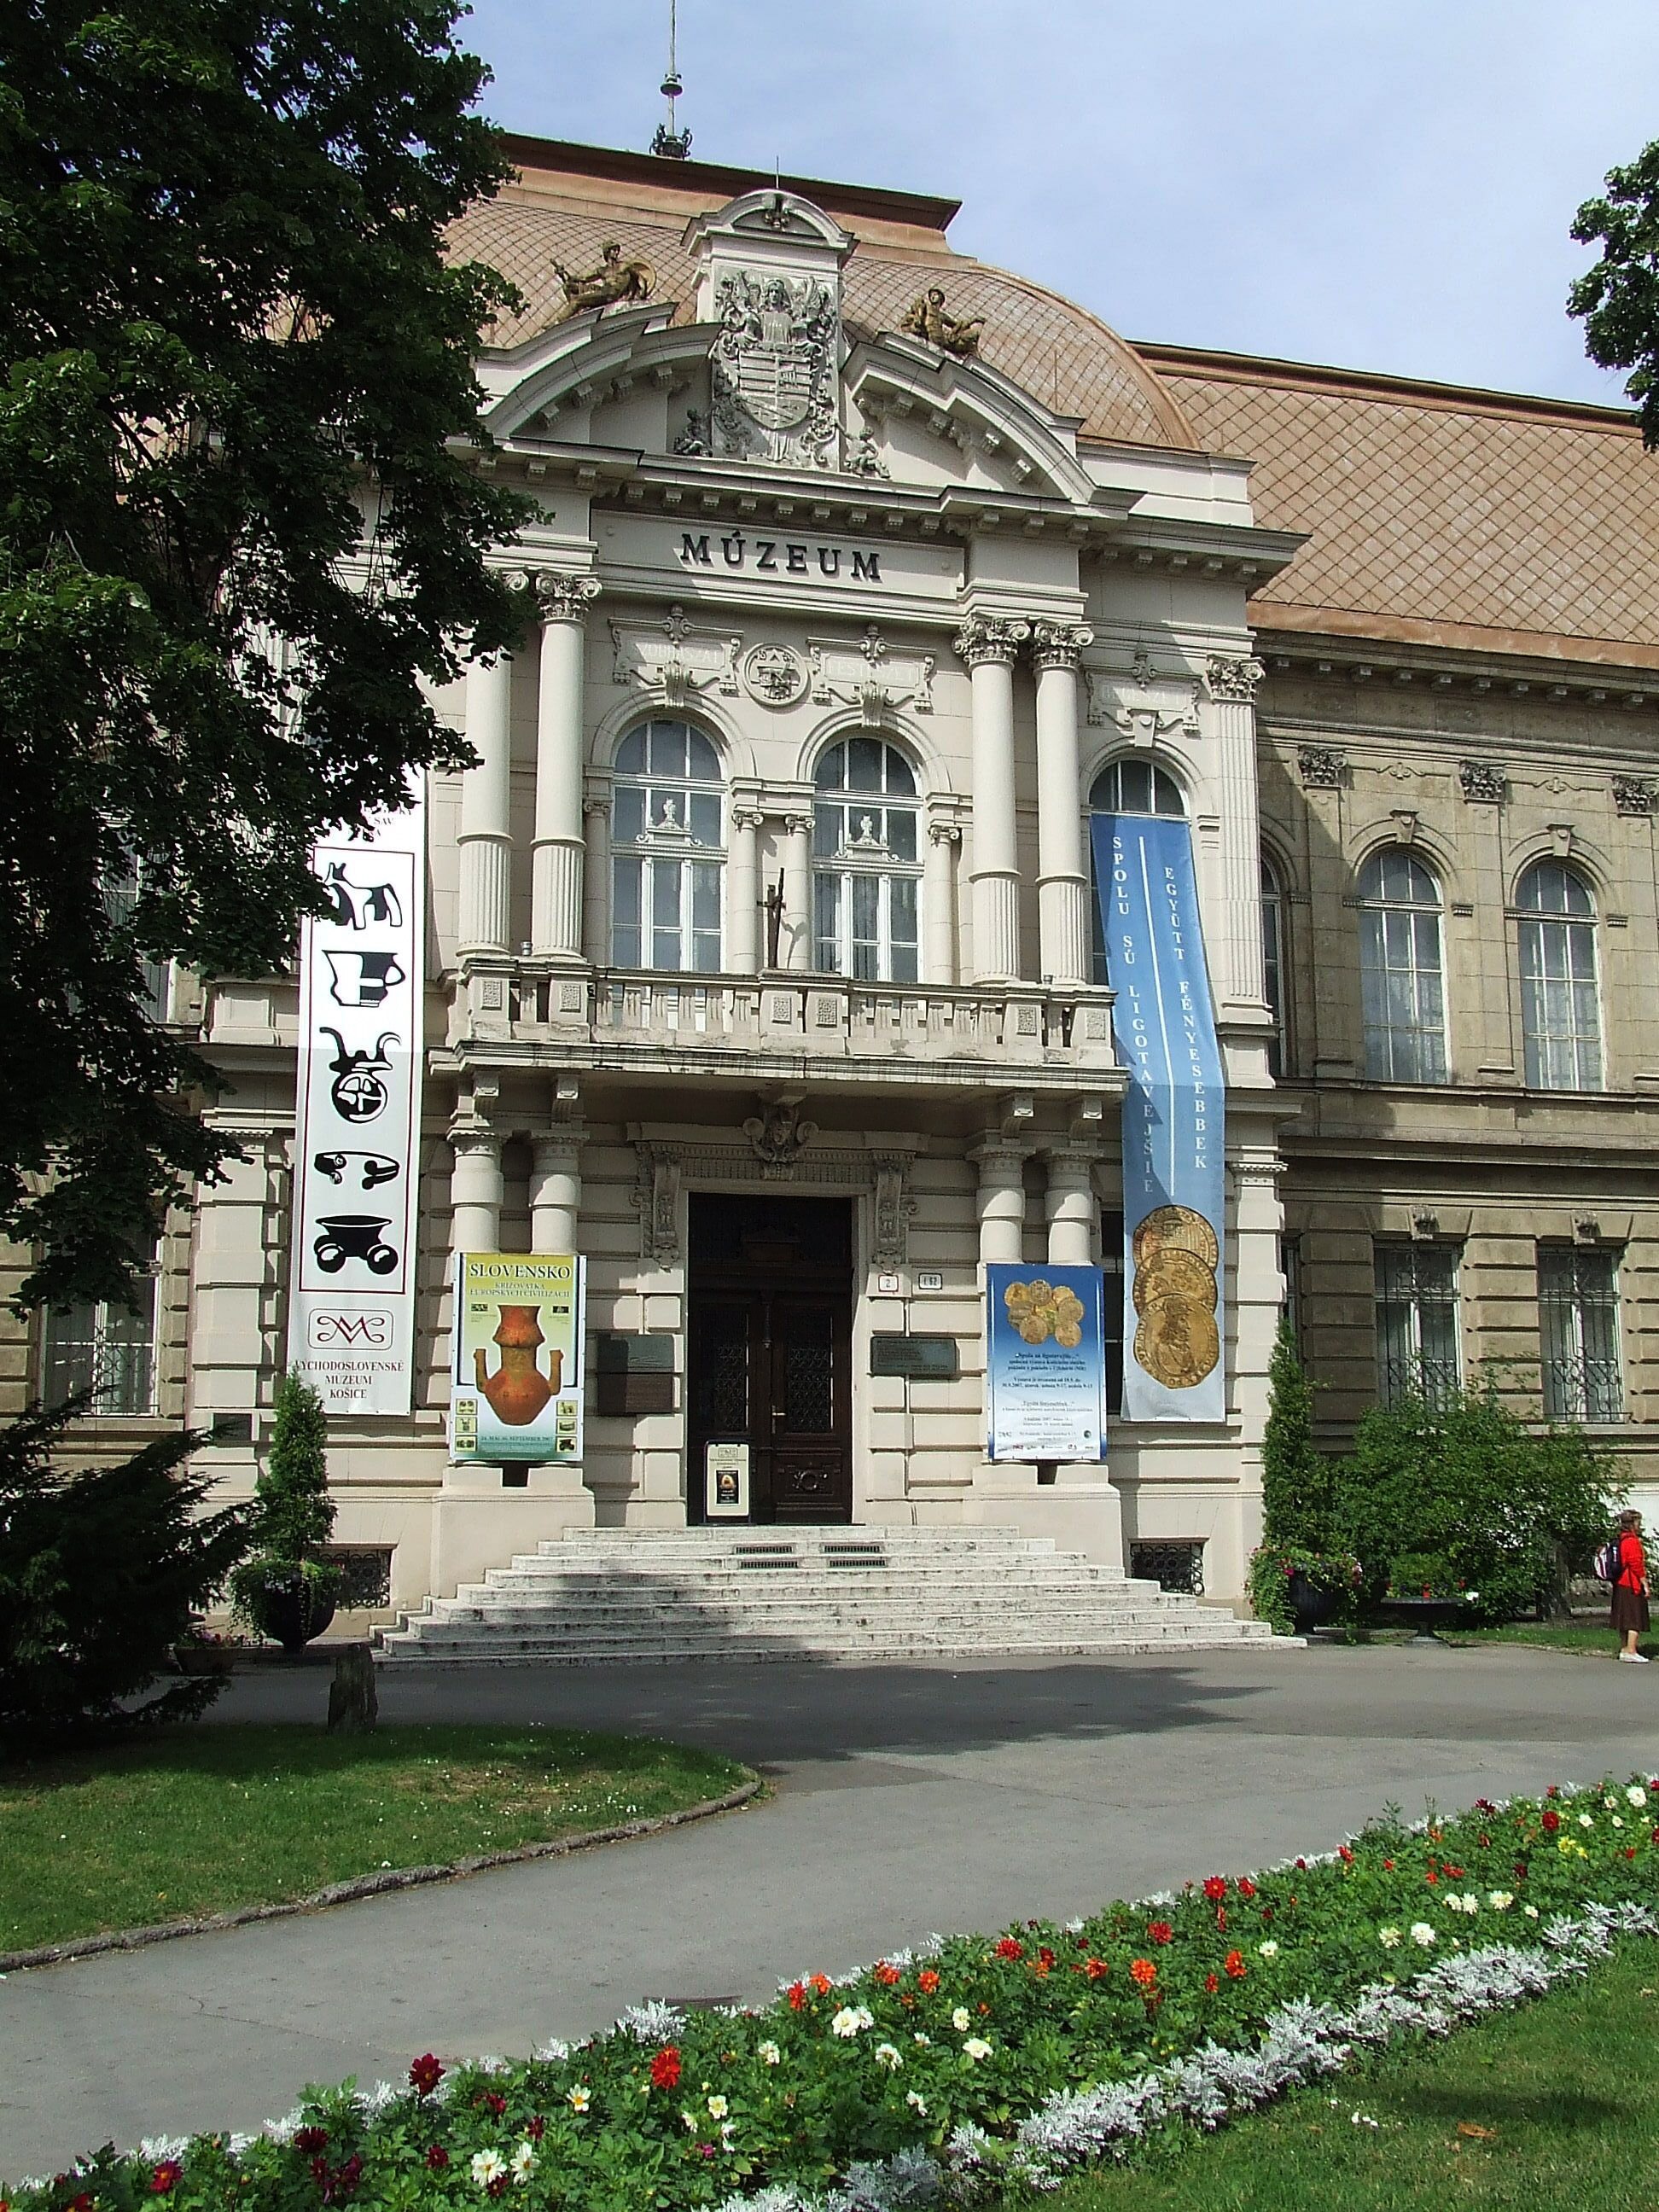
(474, 1189)
(743, 948)
(796, 949)
(595, 879)
(486, 838)
(1000, 1203)
(1069, 1203)
(1235, 960)
(989, 644)
(939, 901)
(1062, 869)
(555, 888)
(556, 1191)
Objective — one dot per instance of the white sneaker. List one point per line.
(1635, 1658)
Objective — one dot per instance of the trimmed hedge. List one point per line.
(941, 2071)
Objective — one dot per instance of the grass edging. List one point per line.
(370, 1885)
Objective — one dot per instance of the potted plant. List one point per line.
(202, 1651)
(288, 1590)
(1426, 1594)
(1298, 1590)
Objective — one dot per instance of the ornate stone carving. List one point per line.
(944, 833)
(1143, 705)
(774, 675)
(1632, 795)
(1059, 644)
(989, 637)
(871, 677)
(657, 1200)
(1482, 782)
(928, 318)
(560, 597)
(693, 439)
(865, 460)
(774, 368)
(1233, 678)
(894, 1208)
(613, 280)
(675, 660)
(1322, 767)
(778, 1136)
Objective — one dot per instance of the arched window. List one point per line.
(668, 848)
(1125, 787)
(1272, 959)
(867, 866)
(1560, 1019)
(1402, 982)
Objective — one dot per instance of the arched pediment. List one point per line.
(974, 407)
(771, 219)
(581, 360)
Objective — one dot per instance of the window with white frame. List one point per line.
(102, 1352)
(668, 850)
(1419, 1347)
(1273, 963)
(1578, 1334)
(1560, 1017)
(1401, 976)
(867, 866)
(1126, 786)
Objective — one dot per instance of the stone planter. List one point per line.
(203, 1658)
(1424, 1616)
(290, 1609)
(1311, 1604)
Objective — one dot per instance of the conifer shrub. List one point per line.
(1299, 1491)
(288, 1590)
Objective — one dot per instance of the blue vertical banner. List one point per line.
(1174, 1185)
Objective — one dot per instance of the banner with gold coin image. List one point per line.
(1045, 1363)
(517, 1393)
(1174, 1138)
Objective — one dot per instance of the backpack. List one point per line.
(1607, 1561)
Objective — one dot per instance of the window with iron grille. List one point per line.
(103, 1351)
(1578, 1334)
(1418, 1349)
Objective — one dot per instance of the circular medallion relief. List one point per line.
(774, 675)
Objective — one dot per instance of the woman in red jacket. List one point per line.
(1629, 1591)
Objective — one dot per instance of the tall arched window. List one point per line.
(1560, 1019)
(1402, 981)
(1273, 963)
(1125, 787)
(668, 848)
(867, 866)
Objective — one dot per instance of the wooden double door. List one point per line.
(769, 1292)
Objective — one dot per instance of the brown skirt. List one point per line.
(1630, 1610)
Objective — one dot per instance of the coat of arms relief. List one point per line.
(774, 369)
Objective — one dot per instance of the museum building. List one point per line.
(763, 966)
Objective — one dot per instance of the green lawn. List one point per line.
(1548, 2106)
(1593, 1636)
(203, 1819)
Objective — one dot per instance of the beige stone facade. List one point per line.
(1351, 624)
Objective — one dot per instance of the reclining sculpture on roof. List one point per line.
(926, 318)
(613, 280)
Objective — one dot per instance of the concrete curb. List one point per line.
(371, 1885)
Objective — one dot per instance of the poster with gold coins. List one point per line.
(1174, 1148)
(1045, 1363)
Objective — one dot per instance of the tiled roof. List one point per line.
(1434, 511)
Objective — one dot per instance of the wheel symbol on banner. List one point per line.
(358, 1095)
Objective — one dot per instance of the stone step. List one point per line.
(496, 1650)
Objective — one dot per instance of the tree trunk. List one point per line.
(353, 1707)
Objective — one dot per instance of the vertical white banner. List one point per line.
(356, 1158)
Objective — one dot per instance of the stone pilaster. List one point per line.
(795, 950)
(939, 901)
(988, 645)
(1235, 959)
(555, 892)
(743, 891)
(596, 874)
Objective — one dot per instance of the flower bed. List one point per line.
(948, 2070)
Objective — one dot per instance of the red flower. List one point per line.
(498, 2186)
(493, 2101)
(1551, 1822)
(537, 2129)
(1144, 1972)
(319, 2171)
(310, 2139)
(1521, 1864)
(1221, 1918)
(1456, 1874)
(1554, 1789)
(342, 2182)
(1095, 1968)
(1431, 1876)
(1235, 1965)
(1302, 1865)
(1159, 1931)
(1388, 1866)
(1246, 1887)
(927, 1981)
(80, 2204)
(1485, 1842)
(886, 1975)
(1345, 1855)
(796, 1995)
(821, 1983)
(437, 2158)
(665, 2067)
(166, 2176)
(1007, 1948)
(1215, 1889)
(1210, 1984)
(424, 2074)
(1630, 1851)
(1045, 1959)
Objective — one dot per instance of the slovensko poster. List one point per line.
(1174, 1150)
(519, 1336)
(356, 1158)
(1045, 1363)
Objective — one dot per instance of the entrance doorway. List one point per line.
(770, 1300)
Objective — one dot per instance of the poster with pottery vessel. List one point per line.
(351, 1310)
(518, 1334)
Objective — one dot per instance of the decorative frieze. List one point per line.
(656, 1198)
(1481, 782)
(1143, 705)
(871, 677)
(778, 1135)
(1322, 767)
(774, 675)
(894, 1208)
(1632, 795)
(675, 660)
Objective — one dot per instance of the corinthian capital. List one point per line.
(1233, 679)
(561, 598)
(989, 637)
(1058, 644)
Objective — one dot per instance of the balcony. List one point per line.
(953, 1037)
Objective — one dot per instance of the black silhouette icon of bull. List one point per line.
(355, 905)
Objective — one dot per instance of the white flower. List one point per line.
(959, 2019)
(523, 2161)
(1500, 1899)
(916, 2102)
(1609, 1802)
(1636, 1796)
(1531, 1912)
(1585, 1821)
(692, 2123)
(580, 2097)
(1617, 1822)
(727, 2129)
(1424, 1935)
(1269, 1949)
(769, 2055)
(920, 2037)
(887, 2055)
(718, 2107)
(1389, 1938)
(488, 2166)
(976, 2047)
(850, 2019)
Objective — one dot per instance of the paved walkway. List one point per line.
(908, 1799)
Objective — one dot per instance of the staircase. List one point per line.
(639, 1596)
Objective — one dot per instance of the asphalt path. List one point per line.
(907, 1799)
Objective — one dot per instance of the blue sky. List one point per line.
(1383, 186)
